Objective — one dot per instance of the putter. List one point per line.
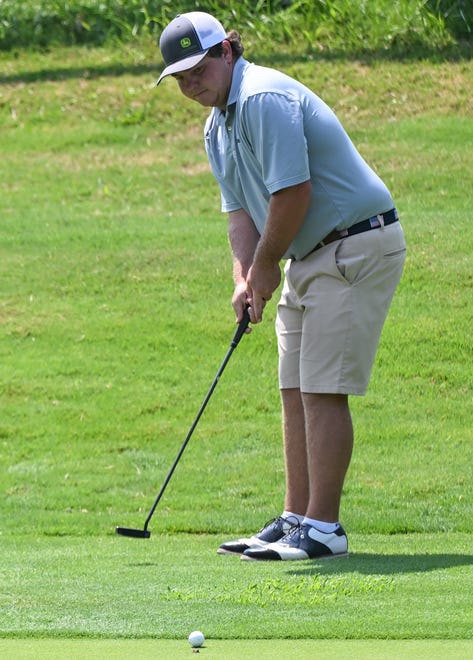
(145, 533)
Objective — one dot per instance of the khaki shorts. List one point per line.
(332, 309)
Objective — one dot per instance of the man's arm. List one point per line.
(244, 238)
(287, 210)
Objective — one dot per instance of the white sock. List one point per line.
(289, 514)
(325, 527)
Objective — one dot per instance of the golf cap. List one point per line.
(187, 39)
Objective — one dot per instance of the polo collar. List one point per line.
(238, 72)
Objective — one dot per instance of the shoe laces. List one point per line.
(293, 534)
(279, 520)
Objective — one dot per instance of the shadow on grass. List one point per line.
(456, 53)
(372, 564)
(85, 72)
(369, 564)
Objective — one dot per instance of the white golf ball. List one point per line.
(196, 639)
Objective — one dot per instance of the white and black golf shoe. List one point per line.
(273, 531)
(302, 542)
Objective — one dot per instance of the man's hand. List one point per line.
(263, 279)
(240, 302)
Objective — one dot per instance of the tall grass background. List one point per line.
(403, 26)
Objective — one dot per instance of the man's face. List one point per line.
(209, 82)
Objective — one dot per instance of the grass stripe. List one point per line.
(231, 650)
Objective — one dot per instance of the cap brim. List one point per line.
(182, 65)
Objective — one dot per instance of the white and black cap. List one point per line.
(187, 39)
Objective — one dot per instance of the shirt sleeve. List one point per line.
(228, 201)
(273, 125)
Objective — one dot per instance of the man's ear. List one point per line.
(227, 50)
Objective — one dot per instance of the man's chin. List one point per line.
(205, 100)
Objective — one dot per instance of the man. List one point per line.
(295, 188)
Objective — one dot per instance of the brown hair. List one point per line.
(234, 38)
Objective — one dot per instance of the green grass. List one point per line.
(395, 587)
(234, 650)
(114, 317)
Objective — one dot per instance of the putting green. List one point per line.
(58, 649)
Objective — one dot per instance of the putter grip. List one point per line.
(242, 326)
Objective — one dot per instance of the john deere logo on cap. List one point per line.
(186, 42)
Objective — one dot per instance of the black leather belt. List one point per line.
(375, 222)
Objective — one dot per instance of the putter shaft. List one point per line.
(144, 533)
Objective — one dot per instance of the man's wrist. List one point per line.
(266, 259)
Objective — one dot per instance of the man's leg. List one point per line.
(295, 450)
(318, 443)
(329, 434)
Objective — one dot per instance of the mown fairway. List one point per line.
(115, 314)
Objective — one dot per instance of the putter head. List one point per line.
(135, 533)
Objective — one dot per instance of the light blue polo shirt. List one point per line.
(277, 133)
